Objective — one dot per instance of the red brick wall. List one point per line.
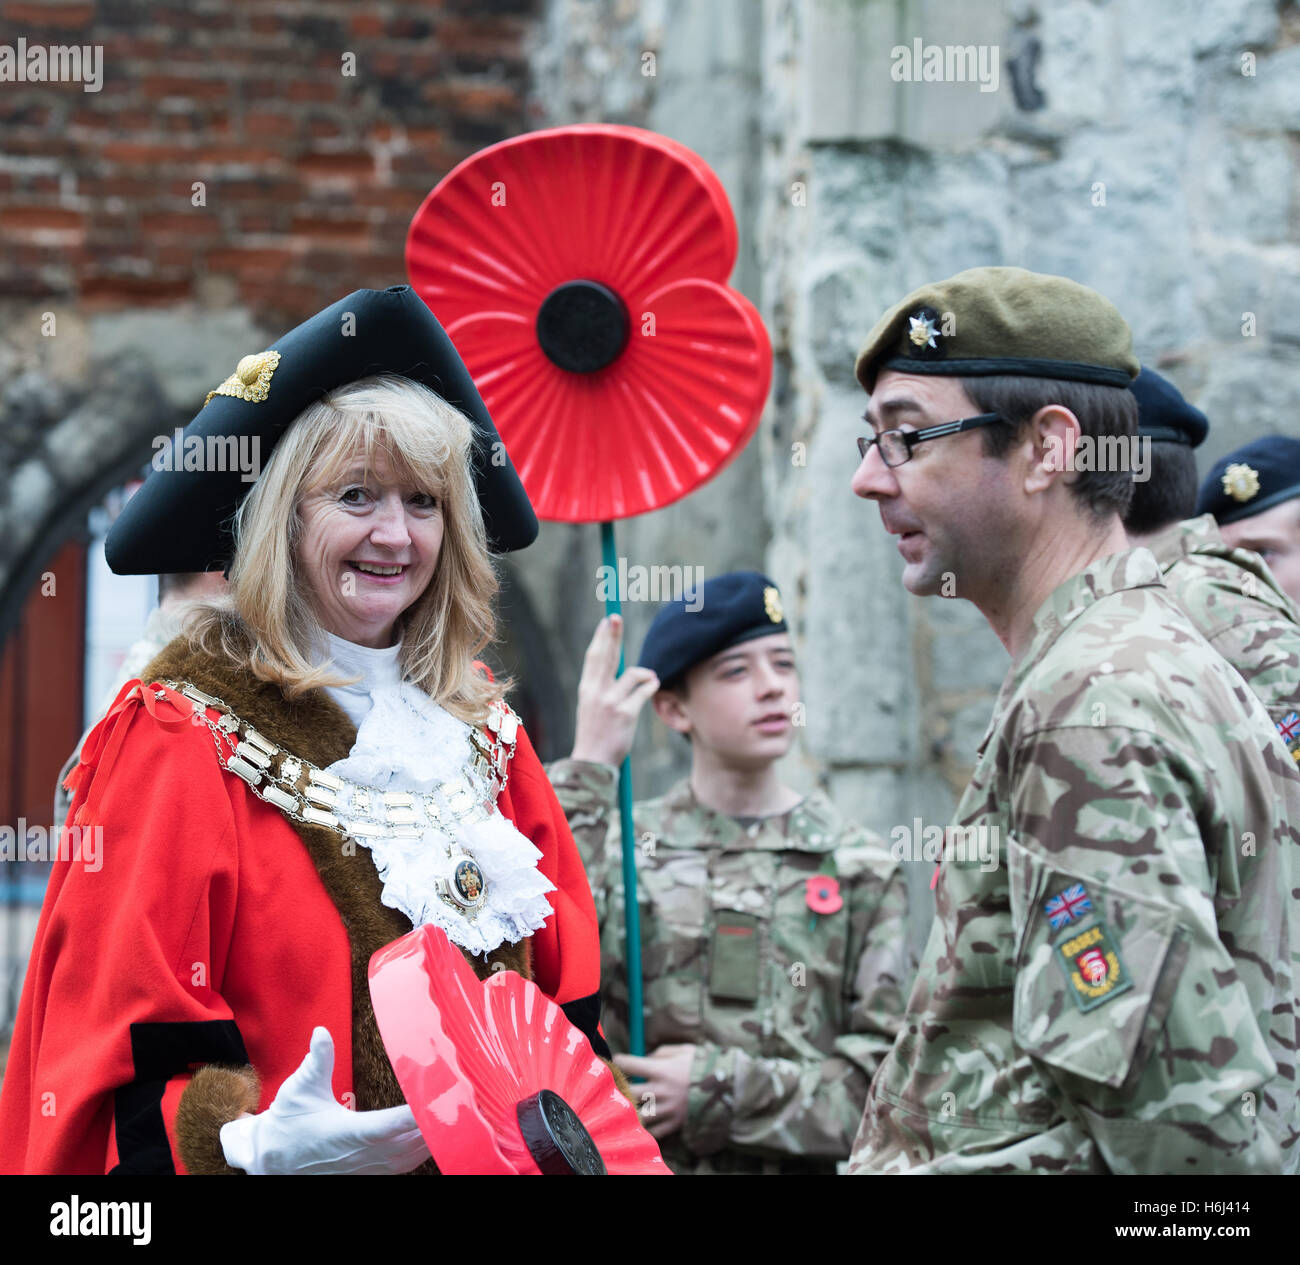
(311, 177)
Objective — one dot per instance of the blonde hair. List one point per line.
(267, 625)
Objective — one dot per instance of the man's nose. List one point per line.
(873, 479)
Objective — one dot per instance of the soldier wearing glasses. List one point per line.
(1118, 994)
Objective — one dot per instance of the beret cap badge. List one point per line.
(1240, 481)
(251, 380)
(923, 333)
(772, 604)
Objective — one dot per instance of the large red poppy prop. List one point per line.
(582, 274)
(498, 1079)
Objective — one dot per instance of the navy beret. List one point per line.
(722, 612)
(180, 520)
(1164, 414)
(1253, 478)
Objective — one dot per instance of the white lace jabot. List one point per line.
(407, 742)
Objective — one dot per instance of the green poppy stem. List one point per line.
(631, 912)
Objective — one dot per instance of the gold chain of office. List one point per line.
(310, 794)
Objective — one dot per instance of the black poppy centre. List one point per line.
(557, 1140)
(582, 326)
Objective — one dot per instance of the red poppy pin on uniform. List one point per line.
(823, 894)
(582, 274)
(498, 1079)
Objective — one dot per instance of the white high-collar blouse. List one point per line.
(407, 742)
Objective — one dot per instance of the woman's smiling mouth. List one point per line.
(377, 570)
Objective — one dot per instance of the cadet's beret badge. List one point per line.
(772, 604)
(923, 334)
(1240, 482)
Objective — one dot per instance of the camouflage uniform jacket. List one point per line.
(790, 1011)
(1119, 993)
(1236, 605)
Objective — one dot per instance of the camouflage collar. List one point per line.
(812, 825)
(1192, 535)
(1199, 537)
(1115, 573)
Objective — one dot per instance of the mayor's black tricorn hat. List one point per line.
(1163, 414)
(181, 520)
(724, 611)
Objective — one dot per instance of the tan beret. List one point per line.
(1002, 321)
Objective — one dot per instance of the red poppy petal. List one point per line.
(731, 245)
(646, 217)
(617, 205)
(692, 397)
(662, 419)
(501, 345)
(466, 1053)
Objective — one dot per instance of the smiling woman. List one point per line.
(317, 765)
(366, 516)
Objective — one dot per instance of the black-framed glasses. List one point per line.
(896, 445)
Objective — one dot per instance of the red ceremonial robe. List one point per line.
(214, 933)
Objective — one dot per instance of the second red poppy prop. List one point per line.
(498, 1079)
(582, 274)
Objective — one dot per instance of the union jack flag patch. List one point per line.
(1063, 908)
(1289, 728)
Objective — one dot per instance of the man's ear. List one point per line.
(1052, 437)
(668, 707)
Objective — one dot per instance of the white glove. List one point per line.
(305, 1130)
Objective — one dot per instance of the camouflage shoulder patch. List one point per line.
(1093, 968)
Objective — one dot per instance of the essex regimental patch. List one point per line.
(1093, 968)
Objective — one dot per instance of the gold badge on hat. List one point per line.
(772, 604)
(1240, 482)
(251, 380)
(921, 331)
(924, 330)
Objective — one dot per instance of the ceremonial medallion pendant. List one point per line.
(1093, 968)
(466, 890)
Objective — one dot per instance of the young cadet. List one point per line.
(1119, 993)
(1230, 594)
(1254, 494)
(773, 939)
